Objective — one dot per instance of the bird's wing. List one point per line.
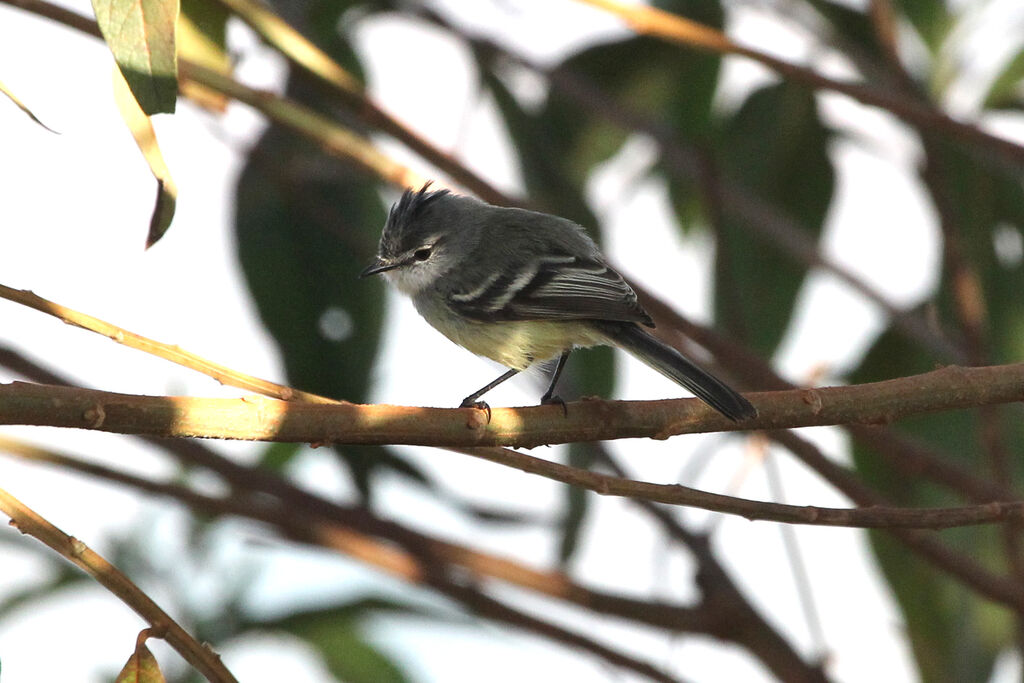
(555, 287)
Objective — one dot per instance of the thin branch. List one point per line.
(302, 52)
(658, 23)
(170, 352)
(371, 551)
(736, 620)
(29, 522)
(387, 545)
(675, 494)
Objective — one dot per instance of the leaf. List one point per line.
(954, 634)
(145, 137)
(335, 632)
(140, 34)
(141, 667)
(202, 33)
(776, 147)
(931, 20)
(1007, 89)
(276, 456)
(541, 145)
(306, 225)
(23, 107)
(590, 372)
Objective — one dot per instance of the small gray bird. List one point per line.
(521, 287)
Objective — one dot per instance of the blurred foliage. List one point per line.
(306, 225)
(955, 635)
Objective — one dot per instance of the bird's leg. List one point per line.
(549, 396)
(471, 400)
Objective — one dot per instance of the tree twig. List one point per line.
(29, 522)
(171, 352)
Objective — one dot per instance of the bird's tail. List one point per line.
(676, 367)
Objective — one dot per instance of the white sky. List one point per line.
(75, 210)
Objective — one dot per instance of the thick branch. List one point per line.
(260, 418)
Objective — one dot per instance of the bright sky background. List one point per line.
(75, 211)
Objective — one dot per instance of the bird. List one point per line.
(522, 287)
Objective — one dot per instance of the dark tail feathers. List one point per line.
(676, 367)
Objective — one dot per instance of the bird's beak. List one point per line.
(379, 265)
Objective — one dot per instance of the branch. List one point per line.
(875, 517)
(264, 419)
(676, 29)
(29, 522)
(305, 528)
(300, 51)
(170, 352)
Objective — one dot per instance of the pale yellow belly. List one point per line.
(518, 344)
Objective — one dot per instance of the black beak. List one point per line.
(378, 266)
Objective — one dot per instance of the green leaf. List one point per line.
(776, 147)
(954, 634)
(590, 372)
(335, 632)
(141, 667)
(854, 25)
(140, 34)
(145, 137)
(202, 39)
(306, 225)
(931, 20)
(1007, 89)
(276, 456)
(541, 145)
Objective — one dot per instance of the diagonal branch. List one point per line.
(202, 658)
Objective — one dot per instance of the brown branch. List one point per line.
(202, 658)
(264, 419)
(170, 352)
(875, 517)
(371, 551)
(734, 619)
(300, 51)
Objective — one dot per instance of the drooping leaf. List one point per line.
(202, 39)
(145, 137)
(775, 147)
(141, 667)
(141, 35)
(23, 107)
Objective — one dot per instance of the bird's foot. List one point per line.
(479, 405)
(555, 400)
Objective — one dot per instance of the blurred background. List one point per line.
(824, 240)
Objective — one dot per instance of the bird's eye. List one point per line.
(422, 254)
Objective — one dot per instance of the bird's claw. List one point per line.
(479, 405)
(555, 400)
